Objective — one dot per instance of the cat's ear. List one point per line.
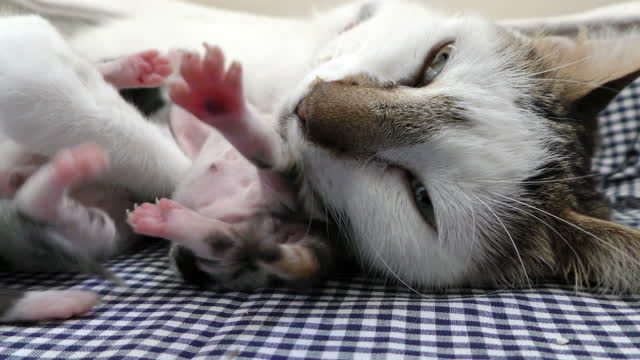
(596, 49)
(189, 132)
(589, 70)
(599, 252)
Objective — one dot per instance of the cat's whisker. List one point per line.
(561, 66)
(515, 247)
(525, 182)
(313, 200)
(621, 252)
(542, 59)
(344, 230)
(543, 222)
(591, 83)
(474, 226)
(395, 275)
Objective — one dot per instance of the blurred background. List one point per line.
(64, 15)
(491, 8)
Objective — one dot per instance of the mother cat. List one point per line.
(449, 149)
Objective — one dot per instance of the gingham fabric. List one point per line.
(618, 163)
(159, 318)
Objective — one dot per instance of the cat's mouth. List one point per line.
(418, 192)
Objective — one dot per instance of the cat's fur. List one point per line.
(501, 139)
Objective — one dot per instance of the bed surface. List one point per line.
(158, 318)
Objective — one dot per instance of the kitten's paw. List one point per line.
(42, 196)
(77, 165)
(263, 255)
(52, 305)
(294, 261)
(214, 95)
(145, 69)
(153, 219)
(208, 91)
(12, 180)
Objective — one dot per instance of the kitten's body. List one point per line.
(47, 230)
(57, 210)
(498, 144)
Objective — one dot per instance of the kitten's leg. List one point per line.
(145, 69)
(44, 197)
(215, 96)
(51, 99)
(12, 180)
(44, 305)
(237, 257)
(169, 220)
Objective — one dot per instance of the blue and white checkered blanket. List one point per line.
(157, 317)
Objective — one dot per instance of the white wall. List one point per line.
(494, 8)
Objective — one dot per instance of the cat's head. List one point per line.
(452, 150)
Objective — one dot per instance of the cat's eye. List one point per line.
(436, 62)
(423, 202)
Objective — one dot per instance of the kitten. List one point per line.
(234, 224)
(55, 213)
(450, 150)
(250, 223)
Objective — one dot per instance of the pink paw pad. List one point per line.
(207, 90)
(152, 219)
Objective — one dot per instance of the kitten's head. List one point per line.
(452, 150)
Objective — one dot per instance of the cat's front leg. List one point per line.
(52, 99)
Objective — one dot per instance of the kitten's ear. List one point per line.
(600, 253)
(189, 132)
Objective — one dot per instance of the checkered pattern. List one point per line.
(618, 163)
(158, 317)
